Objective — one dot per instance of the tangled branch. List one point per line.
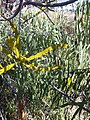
(37, 4)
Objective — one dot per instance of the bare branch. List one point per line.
(37, 4)
(49, 4)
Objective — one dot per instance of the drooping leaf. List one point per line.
(10, 43)
(43, 69)
(17, 42)
(15, 50)
(51, 48)
(6, 68)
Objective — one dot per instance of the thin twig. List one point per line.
(31, 17)
(48, 17)
(66, 95)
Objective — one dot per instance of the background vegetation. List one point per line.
(61, 94)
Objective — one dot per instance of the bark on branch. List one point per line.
(37, 4)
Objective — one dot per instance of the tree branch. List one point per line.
(49, 4)
(16, 12)
(37, 4)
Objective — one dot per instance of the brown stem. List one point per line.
(21, 112)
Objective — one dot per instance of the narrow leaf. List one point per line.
(76, 112)
(10, 43)
(35, 67)
(1, 66)
(17, 36)
(69, 81)
(7, 68)
(15, 50)
(51, 48)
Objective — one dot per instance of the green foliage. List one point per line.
(42, 100)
